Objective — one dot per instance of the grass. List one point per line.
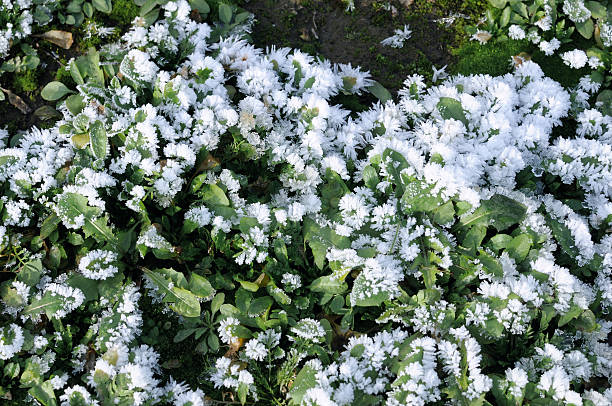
(491, 58)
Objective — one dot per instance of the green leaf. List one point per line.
(445, 213)
(573, 312)
(499, 242)
(30, 273)
(563, 236)
(216, 303)
(89, 287)
(498, 3)
(260, 305)
(200, 286)
(183, 334)
(548, 312)
(250, 286)
(380, 92)
(99, 139)
(417, 197)
(44, 393)
(182, 301)
(586, 28)
(225, 13)
(370, 177)
(452, 108)
(519, 247)
(278, 294)
(494, 328)
(200, 5)
(490, 263)
(54, 91)
(586, 322)
(327, 284)
(500, 211)
(598, 10)
(242, 391)
(309, 82)
(75, 104)
(280, 250)
(504, 19)
(213, 195)
(104, 6)
(88, 9)
(49, 304)
(305, 379)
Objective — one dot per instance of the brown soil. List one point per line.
(323, 27)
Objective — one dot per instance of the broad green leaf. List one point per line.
(327, 284)
(418, 197)
(10, 296)
(362, 294)
(563, 236)
(504, 19)
(573, 312)
(586, 322)
(380, 92)
(548, 312)
(500, 211)
(72, 205)
(44, 393)
(213, 195)
(30, 273)
(200, 286)
(104, 6)
(586, 28)
(200, 5)
(99, 139)
(280, 251)
(278, 294)
(182, 301)
(49, 304)
(260, 305)
(89, 287)
(490, 263)
(250, 286)
(519, 247)
(494, 328)
(451, 108)
(598, 10)
(305, 379)
(370, 177)
(499, 242)
(498, 3)
(75, 104)
(445, 213)
(54, 91)
(183, 335)
(216, 303)
(309, 82)
(225, 13)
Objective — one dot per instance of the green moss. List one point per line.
(124, 12)
(26, 81)
(491, 58)
(63, 75)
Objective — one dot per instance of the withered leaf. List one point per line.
(17, 101)
(60, 38)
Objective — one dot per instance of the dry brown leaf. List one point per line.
(62, 39)
(517, 60)
(234, 347)
(17, 101)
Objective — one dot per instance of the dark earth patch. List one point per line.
(324, 27)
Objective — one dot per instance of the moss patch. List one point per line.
(491, 58)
